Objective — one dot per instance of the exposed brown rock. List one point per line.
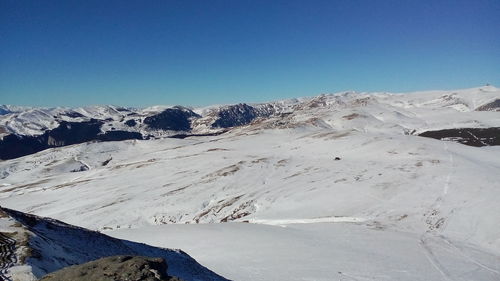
(115, 268)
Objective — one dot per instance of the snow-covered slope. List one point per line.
(435, 200)
(44, 245)
(322, 252)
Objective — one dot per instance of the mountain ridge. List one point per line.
(28, 130)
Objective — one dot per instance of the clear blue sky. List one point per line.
(139, 53)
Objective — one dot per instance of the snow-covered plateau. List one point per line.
(333, 187)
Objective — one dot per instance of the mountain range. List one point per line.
(345, 186)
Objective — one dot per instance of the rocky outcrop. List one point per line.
(491, 106)
(13, 146)
(73, 132)
(468, 136)
(130, 123)
(67, 133)
(115, 268)
(4, 111)
(235, 115)
(174, 119)
(73, 114)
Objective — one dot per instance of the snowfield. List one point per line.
(321, 252)
(269, 200)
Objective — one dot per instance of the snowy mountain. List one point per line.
(26, 130)
(349, 186)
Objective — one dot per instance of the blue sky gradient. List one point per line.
(140, 53)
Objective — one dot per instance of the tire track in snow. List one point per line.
(433, 260)
(463, 254)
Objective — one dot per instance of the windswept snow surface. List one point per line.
(394, 207)
(321, 252)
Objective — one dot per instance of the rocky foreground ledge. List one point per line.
(116, 268)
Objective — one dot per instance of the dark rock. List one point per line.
(130, 123)
(119, 136)
(337, 158)
(106, 162)
(183, 136)
(115, 268)
(67, 133)
(235, 115)
(492, 106)
(13, 146)
(4, 111)
(175, 119)
(73, 114)
(121, 109)
(468, 136)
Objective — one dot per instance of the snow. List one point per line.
(12, 267)
(321, 251)
(54, 245)
(420, 108)
(395, 207)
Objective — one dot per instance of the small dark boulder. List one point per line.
(337, 158)
(106, 162)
